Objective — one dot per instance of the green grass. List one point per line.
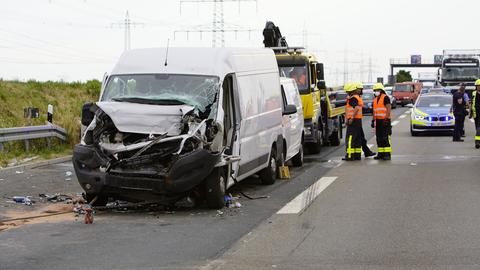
(67, 100)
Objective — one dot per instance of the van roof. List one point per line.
(198, 61)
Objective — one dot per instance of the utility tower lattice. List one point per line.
(218, 23)
(126, 24)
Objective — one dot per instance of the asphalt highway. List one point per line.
(418, 211)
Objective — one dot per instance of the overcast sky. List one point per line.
(81, 39)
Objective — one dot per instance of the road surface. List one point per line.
(419, 211)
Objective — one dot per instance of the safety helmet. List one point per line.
(359, 85)
(477, 82)
(378, 86)
(350, 87)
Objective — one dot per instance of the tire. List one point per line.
(297, 160)
(101, 200)
(215, 188)
(335, 138)
(315, 148)
(269, 174)
(413, 133)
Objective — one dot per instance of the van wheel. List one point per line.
(215, 187)
(269, 174)
(297, 160)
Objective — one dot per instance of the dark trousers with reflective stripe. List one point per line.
(354, 140)
(477, 127)
(383, 133)
(459, 123)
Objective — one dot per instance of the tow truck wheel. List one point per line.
(335, 138)
(315, 148)
(269, 174)
(215, 188)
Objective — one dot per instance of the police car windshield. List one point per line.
(434, 101)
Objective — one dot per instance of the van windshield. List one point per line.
(163, 89)
(403, 88)
(298, 73)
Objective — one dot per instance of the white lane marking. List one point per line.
(304, 199)
(402, 116)
(394, 123)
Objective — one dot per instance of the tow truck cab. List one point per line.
(407, 92)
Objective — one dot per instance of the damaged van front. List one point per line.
(151, 136)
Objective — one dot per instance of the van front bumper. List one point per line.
(183, 174)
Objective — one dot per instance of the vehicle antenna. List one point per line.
(166, 54)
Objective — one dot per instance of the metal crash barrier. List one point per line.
(31, 132)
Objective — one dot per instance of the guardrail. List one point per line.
(31, 132)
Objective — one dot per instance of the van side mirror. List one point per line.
(87, 114)
(290, 109)
(321, 85)
(320, 72)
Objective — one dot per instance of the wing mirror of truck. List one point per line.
(321, 85)
(320, 72)
(87, 114)
(290, 109)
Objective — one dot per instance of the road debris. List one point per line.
(413, 164)
(23, 199)
(19, 172)
(68, 173)
(57, 197)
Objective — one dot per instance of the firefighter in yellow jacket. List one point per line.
(475, 112)
(353, 114)
(382, 109)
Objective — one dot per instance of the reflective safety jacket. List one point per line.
(349, 109)
(379, 108)
(474, 109)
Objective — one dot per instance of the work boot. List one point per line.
(370, 154)
(387, 157)
(477, 145)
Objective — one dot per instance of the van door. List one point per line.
(292, 123)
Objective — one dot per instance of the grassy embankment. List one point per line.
(67, 99)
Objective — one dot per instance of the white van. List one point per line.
(292, 122)
(173, 122)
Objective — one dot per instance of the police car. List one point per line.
(431, 113)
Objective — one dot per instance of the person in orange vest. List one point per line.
(353, 114)
(382, 109)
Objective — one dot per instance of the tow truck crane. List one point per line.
(323, 121)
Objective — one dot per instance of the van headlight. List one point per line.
(419, 117)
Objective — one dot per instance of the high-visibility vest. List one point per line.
(349, 109)
(379, 109)
(474, 109)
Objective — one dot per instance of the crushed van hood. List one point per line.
(145, 118)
